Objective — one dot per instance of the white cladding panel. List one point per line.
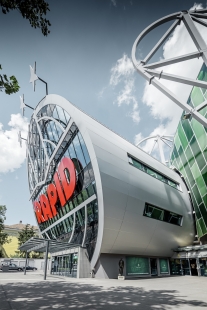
(122, 191)
(125, 192)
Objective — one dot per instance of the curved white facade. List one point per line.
(122, 191)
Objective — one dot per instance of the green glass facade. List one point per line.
(189, 155)
(137, 266)
(164, 266)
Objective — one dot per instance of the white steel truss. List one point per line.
(189, 18)
(159, 140)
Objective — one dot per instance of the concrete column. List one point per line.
(46, 258)
(25, 268)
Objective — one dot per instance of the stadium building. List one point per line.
(189, 156)
(103, 204)
(103, 197)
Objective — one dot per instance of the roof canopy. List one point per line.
(192, 248)
(40, 245)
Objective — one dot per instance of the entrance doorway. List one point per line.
(65, 265)
(185, 267)
(153, 266)
(193, 267)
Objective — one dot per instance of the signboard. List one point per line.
(164, 265)
(137, 266)
(62, 188)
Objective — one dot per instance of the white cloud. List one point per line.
(135, 113)
(162, 108)
(125, 96)
(12, 155)
(122, 69)
(138, 138)
(123, 74)
(113, 2)
(100, 94)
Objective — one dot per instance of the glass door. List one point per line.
(193, 267)
(185, 267)
(153, 266)
(60, 265)
(203, 266)
(175, 267)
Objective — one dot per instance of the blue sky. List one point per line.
(86, 59)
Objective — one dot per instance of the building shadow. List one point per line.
(65, 295)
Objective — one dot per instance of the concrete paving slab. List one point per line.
(31, 292)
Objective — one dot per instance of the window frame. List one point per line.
(144, 168)
(163, 214)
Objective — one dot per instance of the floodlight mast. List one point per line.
(148, 72)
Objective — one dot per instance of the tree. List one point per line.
(4, 237)
(25, 234)
(34, 11)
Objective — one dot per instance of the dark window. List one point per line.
(79, 152)
(162, 215)
(83, 146)
(134, 162)
(79, 227)
(92, 227)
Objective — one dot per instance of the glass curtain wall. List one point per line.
(79, 227)
(65, 265)
(175, 267)
(52, 122)
(92, 227)
(180, 267)
(203, 266)
(85, 186)
(189, 155)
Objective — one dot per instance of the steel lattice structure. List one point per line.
(159, 140)
(149, 72)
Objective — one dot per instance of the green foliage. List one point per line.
(25, 234)
(10, 84)
(17, 255)
(3, 252)
(4, 237)
(34, 11)
(36, 255)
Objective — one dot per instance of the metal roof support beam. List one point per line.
(195, 35)
(155, 141)
(162, 156)
(163, 140)
(201, 106)
(204, 16)
(161, 41)
(188, 18)
(177, 78)
(174, 60)
(199, 21)
(46, 258)
(25, 269)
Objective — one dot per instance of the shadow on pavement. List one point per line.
(64, 295)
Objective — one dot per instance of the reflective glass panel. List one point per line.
(136, 163)
(162, 215)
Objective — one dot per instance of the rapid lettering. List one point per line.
(62, 188)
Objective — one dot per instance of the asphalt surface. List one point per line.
(33, 293)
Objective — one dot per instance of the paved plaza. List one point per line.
(31, 292)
